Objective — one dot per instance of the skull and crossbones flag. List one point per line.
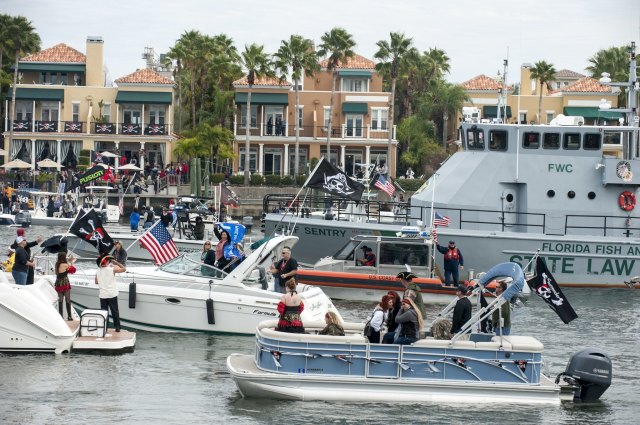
(89, 228)
(546, 287)
(330, 179)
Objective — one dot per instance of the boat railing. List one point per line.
(602, 225)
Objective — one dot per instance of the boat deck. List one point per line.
(114, 342)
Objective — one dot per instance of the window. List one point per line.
(355, 84)
(612, 137)
(531, 140)
(75, 112)
(49, 111)
(54, 78)
(156, 114)
(334, 155)
(497, 140)
(549, 117)
(413, 255)
(475, 140)
(558, 84)
(571, 141)
(303, 160)
(592, 141)
(132, 115)
(243, 116)
(253, 160)
(551, 141)
(327, 111)
(379, 119)
(106, 112)
(63, 79)
(24, 110)
(300, 114)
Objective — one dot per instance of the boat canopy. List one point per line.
(512, 270)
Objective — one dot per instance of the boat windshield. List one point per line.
(346, 252)
(190, 265)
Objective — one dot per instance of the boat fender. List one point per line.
(210, 319)
(132, 295)
(627, 200)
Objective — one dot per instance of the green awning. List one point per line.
(347, 73)
(51, 67)
(492, 112)
(264, 98)
(355, 108)
(37, 94)
(147, 97)
(591, 113)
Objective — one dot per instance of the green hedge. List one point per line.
(272, 180)
(256, 180)
(216, 178)
(237, 180)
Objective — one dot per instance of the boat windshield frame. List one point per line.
(186, 265)
(346, 252)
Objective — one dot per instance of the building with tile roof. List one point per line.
(65, 106)
(360, 125)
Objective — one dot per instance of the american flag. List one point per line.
(440, 220)
(385, 185)
(159, 243)
(121, 205)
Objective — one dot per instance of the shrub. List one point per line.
(216, 178)
(237, 180)
(286, 181)
(272, 180)
(300, 180)
(256, 180)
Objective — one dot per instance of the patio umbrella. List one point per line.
(130, 167)
(17, 163)
(108, 154)
(48, 163)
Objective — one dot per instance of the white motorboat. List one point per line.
(481, 369)
(7, 220)
(29, 320)
(185, 295)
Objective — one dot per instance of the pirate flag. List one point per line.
(88, 176)
(332, 180)
(546, 287)
(228, 196)
(88, 227)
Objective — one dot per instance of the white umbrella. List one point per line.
(130, 167)
(48, 163)
(17, 163)
(108, 154)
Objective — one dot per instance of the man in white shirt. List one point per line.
(106, 281)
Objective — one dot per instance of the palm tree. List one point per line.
(615, 61)
(257, 64)
(217, 140)
(338, 44)
(391, 54)
(22, 36)
(437, 63)
(298, 54)
(544, 73)
(177, 53)
(190, 43)
(441, 102)
(5, 22)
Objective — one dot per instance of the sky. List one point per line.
(476, 35)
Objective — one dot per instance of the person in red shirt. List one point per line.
(369, 257)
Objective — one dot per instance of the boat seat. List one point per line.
(443, 343)
(293, 337)
(494, 345)
(522, 343)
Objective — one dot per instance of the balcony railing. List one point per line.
(343, 131)
(28, 126)
(73, 126)
(22, 125)
(47, 126)
(130, 129)
(156, 129)
(104, 128)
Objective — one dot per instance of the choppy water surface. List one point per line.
(182, 378)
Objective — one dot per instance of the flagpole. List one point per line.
(139, 237)
(313, 172)
(433, 250)
(72, 223)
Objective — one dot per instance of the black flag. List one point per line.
(88, 176)
(89, 228)
(546, 287)
(229, 197)
(333, 181)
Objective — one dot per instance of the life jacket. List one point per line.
(452, 255)
(8, 265)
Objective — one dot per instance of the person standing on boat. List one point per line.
(462, 310)
(134, 220)
(198, 229)
(148, 219)
(224, 239)
(21, 233)
(51, 207)
(119, 253)
(22, 263)
(452, 260)
(379, 318)
(369, 258)
(412, 290)
(410, 323)
(62, 285)
(334, 326)
(505, 311)
(284, 269)
(106, 281)
(392, 325)
(290, 307)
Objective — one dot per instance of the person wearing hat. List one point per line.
(410, 323)
(119, 253)
(412, 290)
(106, 281)
(369, 258)
(22, 233)
(504, 313)
(462, 310)
(22, 263)
(452, 260)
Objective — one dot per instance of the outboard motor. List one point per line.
(23, 218)
(590, 370)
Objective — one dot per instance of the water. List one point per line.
(182, 378)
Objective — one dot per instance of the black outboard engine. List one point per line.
(23, 219)
(590, 370)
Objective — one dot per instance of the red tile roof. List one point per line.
(60, 53)
(481, 82)
(567, 73)
(586, 85)
(262, 81)
(356, 62)
(144, 76)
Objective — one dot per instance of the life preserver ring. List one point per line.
(627, 200)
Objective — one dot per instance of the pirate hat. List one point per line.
(406, 275)
(101, 261)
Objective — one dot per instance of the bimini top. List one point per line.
(512, 270)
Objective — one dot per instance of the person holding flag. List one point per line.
(452, 260)
(106, 281)
(230, 235)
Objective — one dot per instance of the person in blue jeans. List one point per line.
(22, 263)
(134, 220)
(452, 259)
